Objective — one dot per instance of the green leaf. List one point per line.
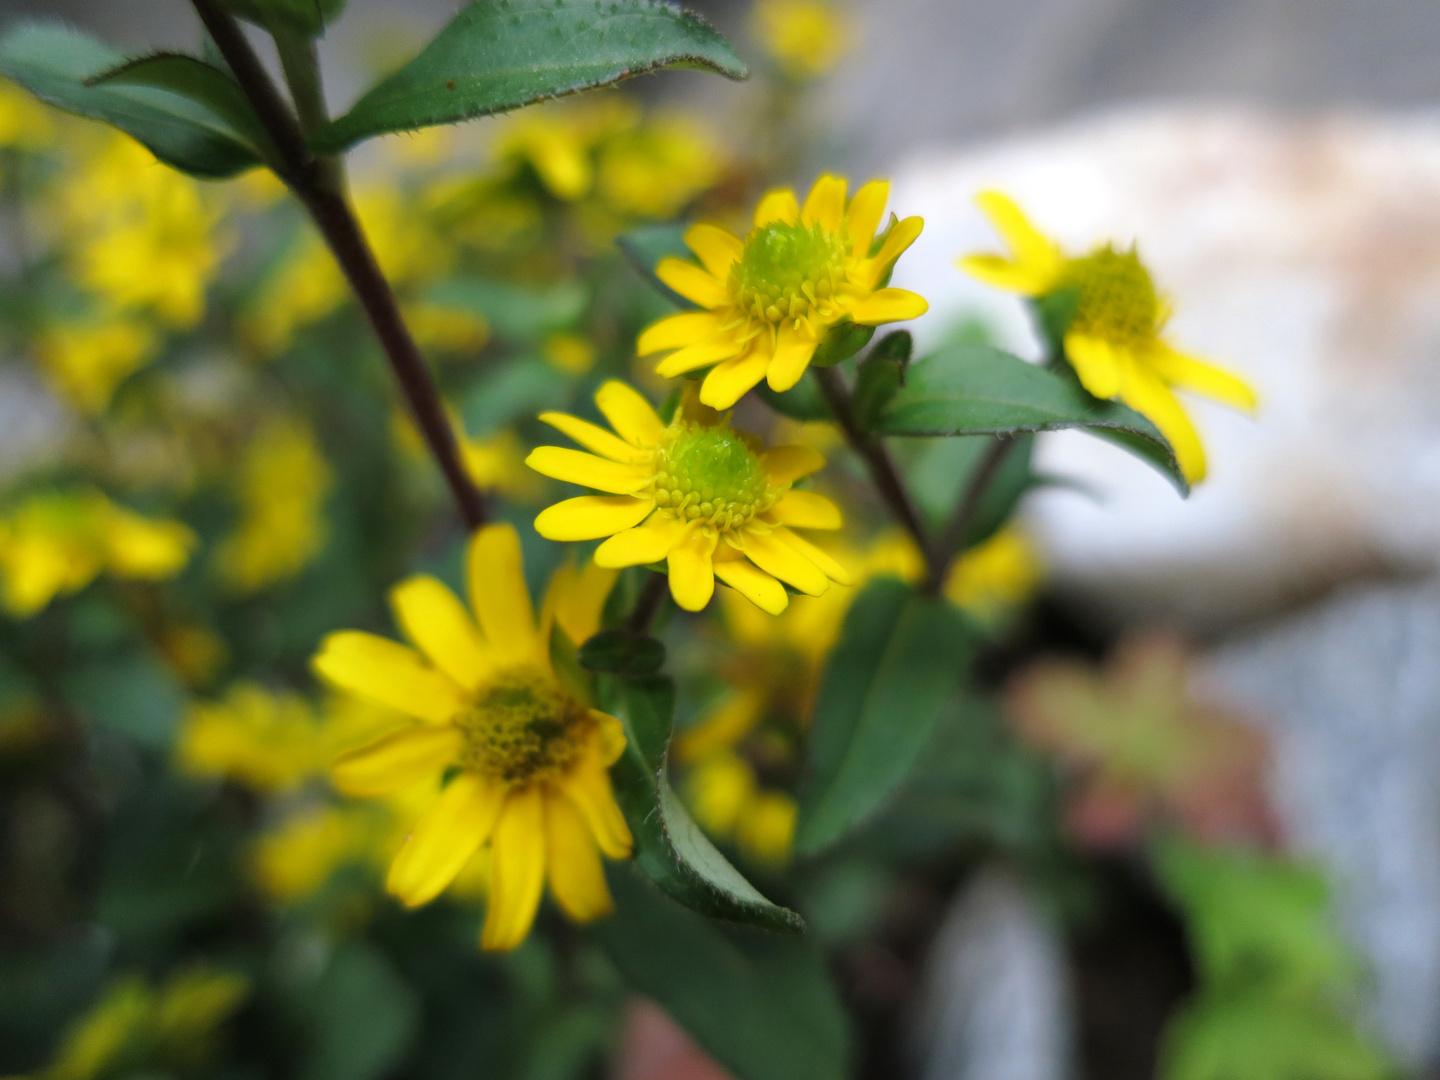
(53, 62)
(943, 468)
(498, 55)
(803, 401)
(307, 17)
(975, 390)
(520, 389)
(646, 247)
(880, 376)
(898, 661)
(137, 697)
(363, 1015)
(762, 1006)
(618, 652)
(841, 341)
(518, 312)
(669, 846)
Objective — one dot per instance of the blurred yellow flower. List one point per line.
(531, 759)
(805, 38)
(995, 577)
(294, 859)
(496, 463)
(571, 353)
(54, 543)
(446, 330)
(264, 739)
(771, 299)
(85, 361)
(195, 652)
(558, 140)
(281, 485)
(1114, 341)
(679, 490)
(655, 169)
(25, 124)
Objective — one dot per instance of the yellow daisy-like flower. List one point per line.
(695, 493)
(1114, 342)
(530, 760)
(806, 38)
(771, 298)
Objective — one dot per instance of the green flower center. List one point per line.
(788, 270)
(523, 726)
(711, 474)
(1118, 302)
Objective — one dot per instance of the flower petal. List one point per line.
(795, 345)
(786, 464)
(632, 417)
(901, 237)
(825, 204)
(587, 470)
(388, 672)
(827, 564)
(577, 880)
(435, 620)
(692, 577)
(785, 563)
(888, 305)
(754, 584)
(588, 786)
(728, 382)
(647, 543)
(694, 283)
(609, 739)
(495, 574)
(1096, 363)
(1032, 249)
(701, 354)
(517, 870)
(867, 210)
(576, 598)
(1001, 273)
(1191, 373)
(589, 517)
(444, 838)
(717, 248)
(806, 510)
(730, 721)
(677, 331)
(397, 761)
(596, 439)
(1147, 395)
(777, 205)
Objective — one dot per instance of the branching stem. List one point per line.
(952, 536)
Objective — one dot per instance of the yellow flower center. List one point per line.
(1118, 302)
(711, 474)
(523, 726)
(787, 270)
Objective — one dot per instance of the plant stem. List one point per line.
(952, 536)
(872, 451)
(313, 183)
(647, 605)
(301, 65)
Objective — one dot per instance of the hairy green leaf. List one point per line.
(497, 55)
(899, 659)
(54, 62)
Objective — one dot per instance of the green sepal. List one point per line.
(841, 341)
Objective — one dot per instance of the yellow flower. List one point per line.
(654, 170)
(282, 483)
(771, 298)
(570, 353)
(86, 361)
(530, 759)
(263, 739)
(995, 577)
(55, 543)
(495, 462)
(25, 124)
(558, 141)
(293, 860)
(446, 329)
(692, 483)
(1114, 341)
(806, 38)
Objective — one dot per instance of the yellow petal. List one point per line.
(388, 672)
(677, 331)
(867, 209)
(433, 618)
(901, 237)
(629, 413)
(692, 577)
(1001, 273)
(596, 439)
(695, 283)
(609, 738)
(1192, 373)
(701, 354)
(645, 544)
(1152, 399)
(785, 563)
(590, 517)
(728, 381)
(397, 761)
(495, 574)
(1031, 248)
(576, 599)
(806, 510)
(754, 584)
(828, 566)
(888, 305)
(777, 205)
(577, 880)
(794, 347)
(517, 870)
(786, 464)
(825, 204)
(731, 720)
(1096, 363)
(587, 470)
(715, 247)
(444, 838)
(588, 786)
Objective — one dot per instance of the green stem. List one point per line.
(952, 536)
(301, 66)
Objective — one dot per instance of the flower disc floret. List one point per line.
(711, 475)
(523, 726)
(1116, 298)
(771, 299)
